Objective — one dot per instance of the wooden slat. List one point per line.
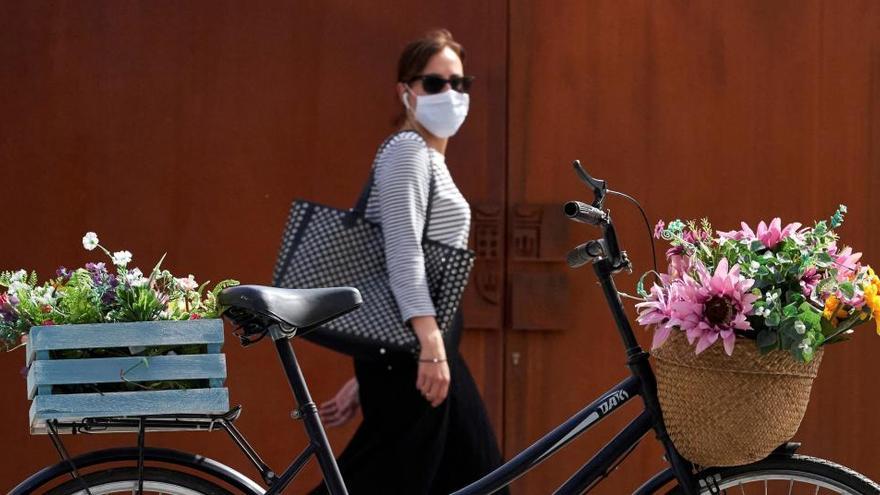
(137, 369)
(145, 333)
(120, 404)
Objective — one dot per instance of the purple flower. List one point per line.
(108, 298)
(63, 273)
(96, 268)
(713, 306)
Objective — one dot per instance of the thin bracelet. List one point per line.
(432, 360)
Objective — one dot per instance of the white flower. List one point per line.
(90, 240)
(188, 283)
(14, 287)
(804, 345)
(18, 276)
(121, 258)
(45, 295)
(135, 278)
(799, 327)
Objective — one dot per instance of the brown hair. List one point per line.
(417, 53)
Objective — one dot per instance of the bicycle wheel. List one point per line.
(792, 475)
(156, 481)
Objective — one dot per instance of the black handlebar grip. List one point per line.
(585, 253)
(584, 213)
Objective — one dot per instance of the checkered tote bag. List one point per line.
(328, 247)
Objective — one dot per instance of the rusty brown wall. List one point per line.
(188, 127)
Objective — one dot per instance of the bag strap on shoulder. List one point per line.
(360, 208)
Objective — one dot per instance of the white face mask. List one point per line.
(441, 114)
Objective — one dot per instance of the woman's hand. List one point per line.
(433, 377)
(341, 408)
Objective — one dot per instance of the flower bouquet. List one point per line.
(740, 320)
(114, 341)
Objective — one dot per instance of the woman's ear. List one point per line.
(404, 95)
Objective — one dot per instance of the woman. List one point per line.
(425, 429)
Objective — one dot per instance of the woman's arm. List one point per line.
(403, 185)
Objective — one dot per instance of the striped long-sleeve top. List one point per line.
(398, 202)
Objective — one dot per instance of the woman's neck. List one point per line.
(433, 141)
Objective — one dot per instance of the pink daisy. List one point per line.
(714, 306)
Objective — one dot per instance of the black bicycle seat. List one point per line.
(298, 308)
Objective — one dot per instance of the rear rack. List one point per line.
(167, 422)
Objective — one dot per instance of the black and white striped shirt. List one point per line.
(398, 202)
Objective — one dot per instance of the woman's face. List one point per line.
(444, 64)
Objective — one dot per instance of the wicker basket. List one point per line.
(725, 410)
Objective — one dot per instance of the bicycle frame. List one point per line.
(641, 382)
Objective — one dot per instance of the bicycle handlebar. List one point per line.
(595, 214)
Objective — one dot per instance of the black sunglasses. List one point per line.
(433, 83)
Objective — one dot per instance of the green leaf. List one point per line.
(847, 289)
(790, 310)
(772, 320)
(767, 340)
(640, 287)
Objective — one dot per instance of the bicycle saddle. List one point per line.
(298, 308)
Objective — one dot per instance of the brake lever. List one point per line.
(596, 185)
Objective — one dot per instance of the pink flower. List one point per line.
(810, 280)
(714, 306)
(658, 229)
(846, 262)
(769, 235)
(656, 311)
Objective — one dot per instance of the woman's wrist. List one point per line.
(430, 338)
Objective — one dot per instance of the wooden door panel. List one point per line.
(736, 110)
(189, 127)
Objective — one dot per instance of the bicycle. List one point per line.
(283, 313)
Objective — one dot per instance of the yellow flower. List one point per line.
(872, 299)
(831, 305)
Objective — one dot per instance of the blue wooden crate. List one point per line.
(45, 372)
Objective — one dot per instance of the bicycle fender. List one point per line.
(199, 463)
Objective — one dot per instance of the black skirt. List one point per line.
(405, 446)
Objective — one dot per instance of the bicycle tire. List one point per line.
(787, 473)
(156, 480)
